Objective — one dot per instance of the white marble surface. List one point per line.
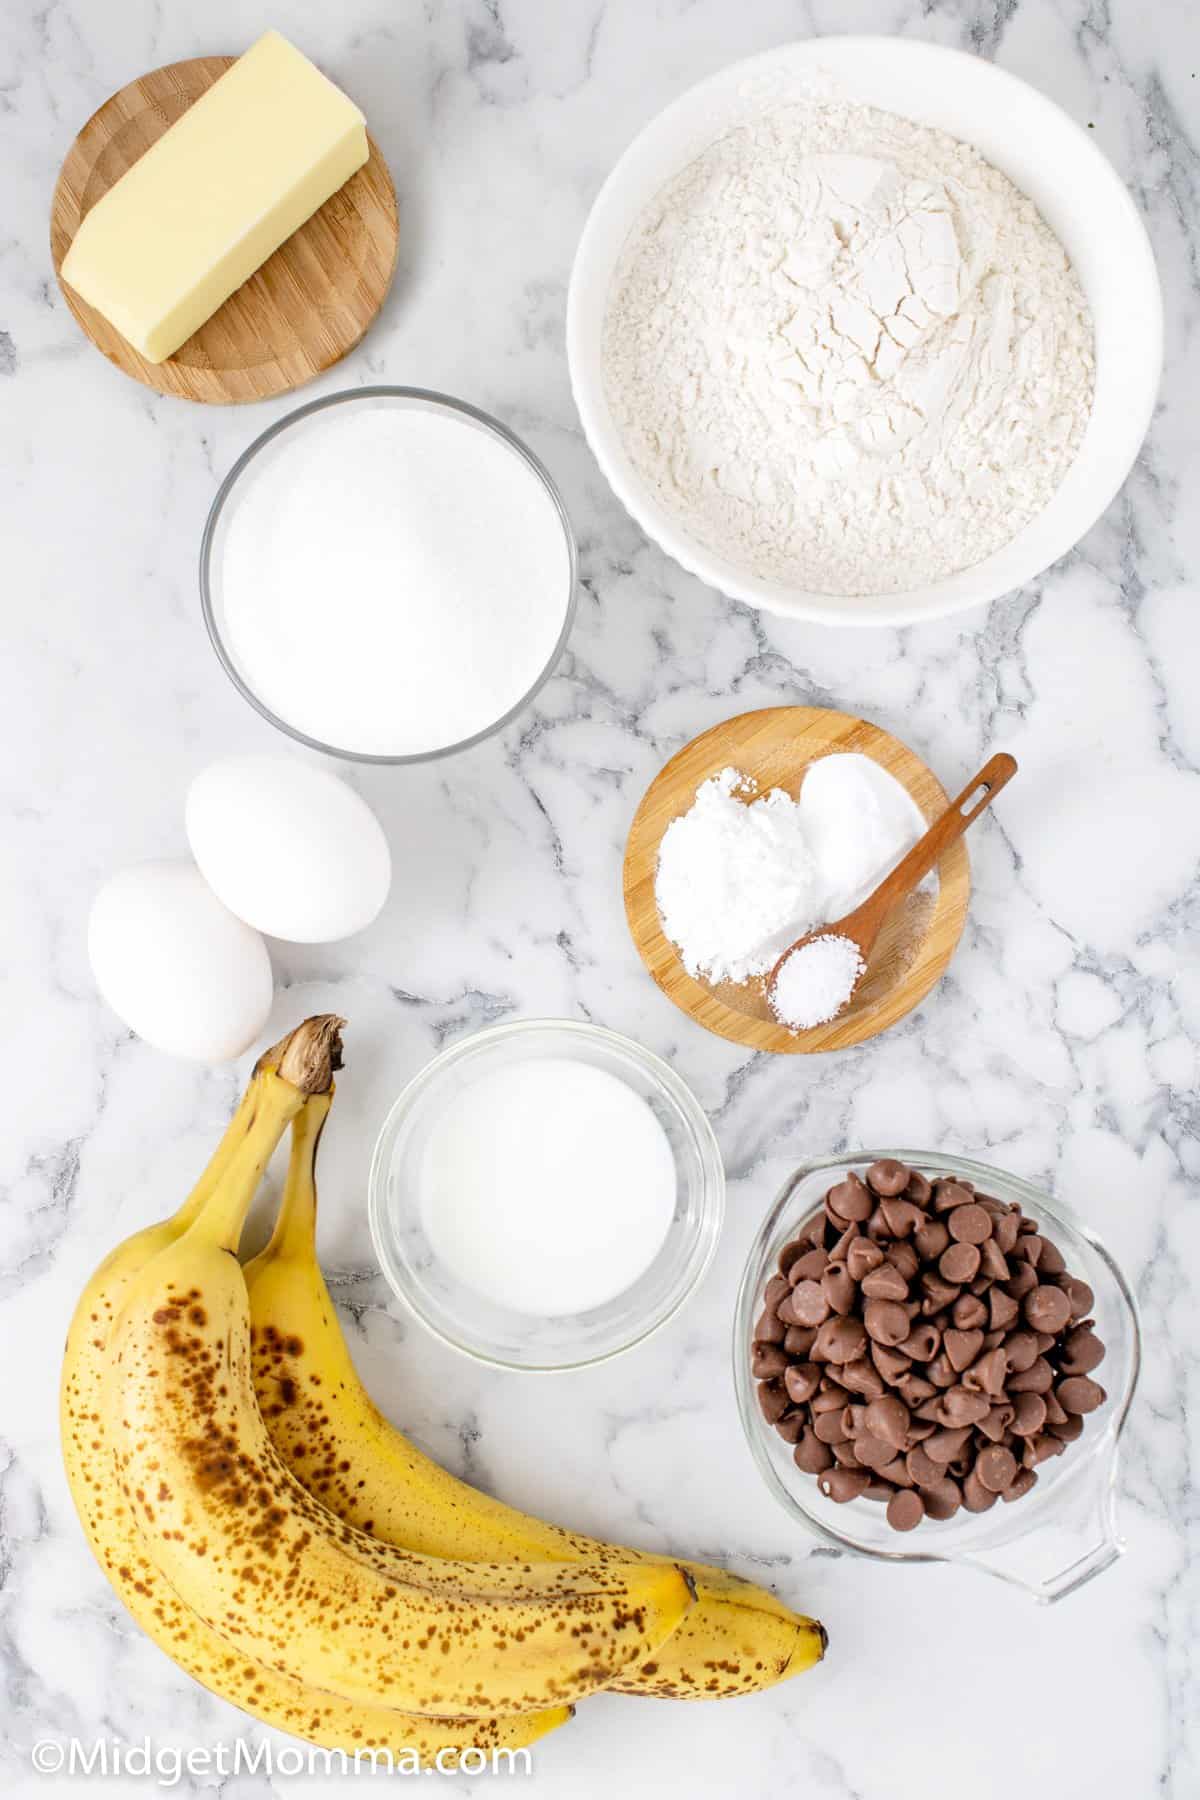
(1063, 1044)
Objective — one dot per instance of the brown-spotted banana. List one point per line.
(280, 1700)
(737, 1639)
(242, 1544)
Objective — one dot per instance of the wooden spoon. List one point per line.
(863, 925)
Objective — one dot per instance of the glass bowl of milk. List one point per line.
(545, 1194)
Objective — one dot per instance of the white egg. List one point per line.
(176, 965)
(288, 847)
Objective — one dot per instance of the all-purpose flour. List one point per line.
(846, 352)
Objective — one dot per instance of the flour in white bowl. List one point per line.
(846, 353)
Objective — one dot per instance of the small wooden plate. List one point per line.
(299, 314)
(776, 746)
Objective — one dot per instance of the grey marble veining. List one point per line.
(1063, 1043)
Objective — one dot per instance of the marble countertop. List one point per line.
(1063, 1043)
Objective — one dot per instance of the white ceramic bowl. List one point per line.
(1033, 142)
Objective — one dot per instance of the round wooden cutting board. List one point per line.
(776, 746)
(300, 313)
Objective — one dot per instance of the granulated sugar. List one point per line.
(393, 579)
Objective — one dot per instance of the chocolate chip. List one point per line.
(838, 1288)
(888, 1419)
(1038, 1378)
(1079, 1394)
(1055, 1414)
(996, 1425)
(872, 1452)
(905, 1510)
(851, 1200)
(885, 1283)
(768, 1361)
(904, 1258)
(830, 1397)
(962, 1347)
(970, 1312)
(801, 1382)
(774, 1292)
(959, 1263)
(1029, 1250)
(990, 1372)
(919, 1189)
(1051, 1262)
(829, 1426)
(931, 1239)
(922, 1343)
(791, 1425)
(840, 1340)
(961, 1407)
(1022, 1279)
(1002, 1309)
(1029, 1414)
(993, 1264)
(1068, 1428)
(1079, 1294)
(970, 1224)
(888, 1176)
(838, 1251)
(901, 1216)
(808, 1304)
(789, 1254)
(1025, 1480)
(799, 1340)
(843, 1484)
(812, 1455)
(1082, 1351)
(976, 1497)
(944, 1446)
(921, 1468)
(942, 1499)
(772, 1401)
(809, 1267)
(996, 1468)
(937, 1290)
(1021, 1350)
(886, 1321)
(1047, 1308)
(844, 1455)
(862, 1257)
(949, 1194)
(890, 1363)
(770, 1329)
(1005, 1231)
(861, 1378)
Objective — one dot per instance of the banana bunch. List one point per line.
(291, 1550)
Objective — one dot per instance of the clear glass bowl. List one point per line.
(1062, 1533)
(234, 486)
(496, 1334)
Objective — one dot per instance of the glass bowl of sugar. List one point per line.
(545, 1194)
(388, 575)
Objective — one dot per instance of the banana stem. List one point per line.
(296, 1225)
(285, 1079)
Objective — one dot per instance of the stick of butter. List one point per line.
(210, 201)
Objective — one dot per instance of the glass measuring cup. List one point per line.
(1062, 1533)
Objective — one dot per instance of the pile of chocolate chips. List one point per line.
(924, 1346)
